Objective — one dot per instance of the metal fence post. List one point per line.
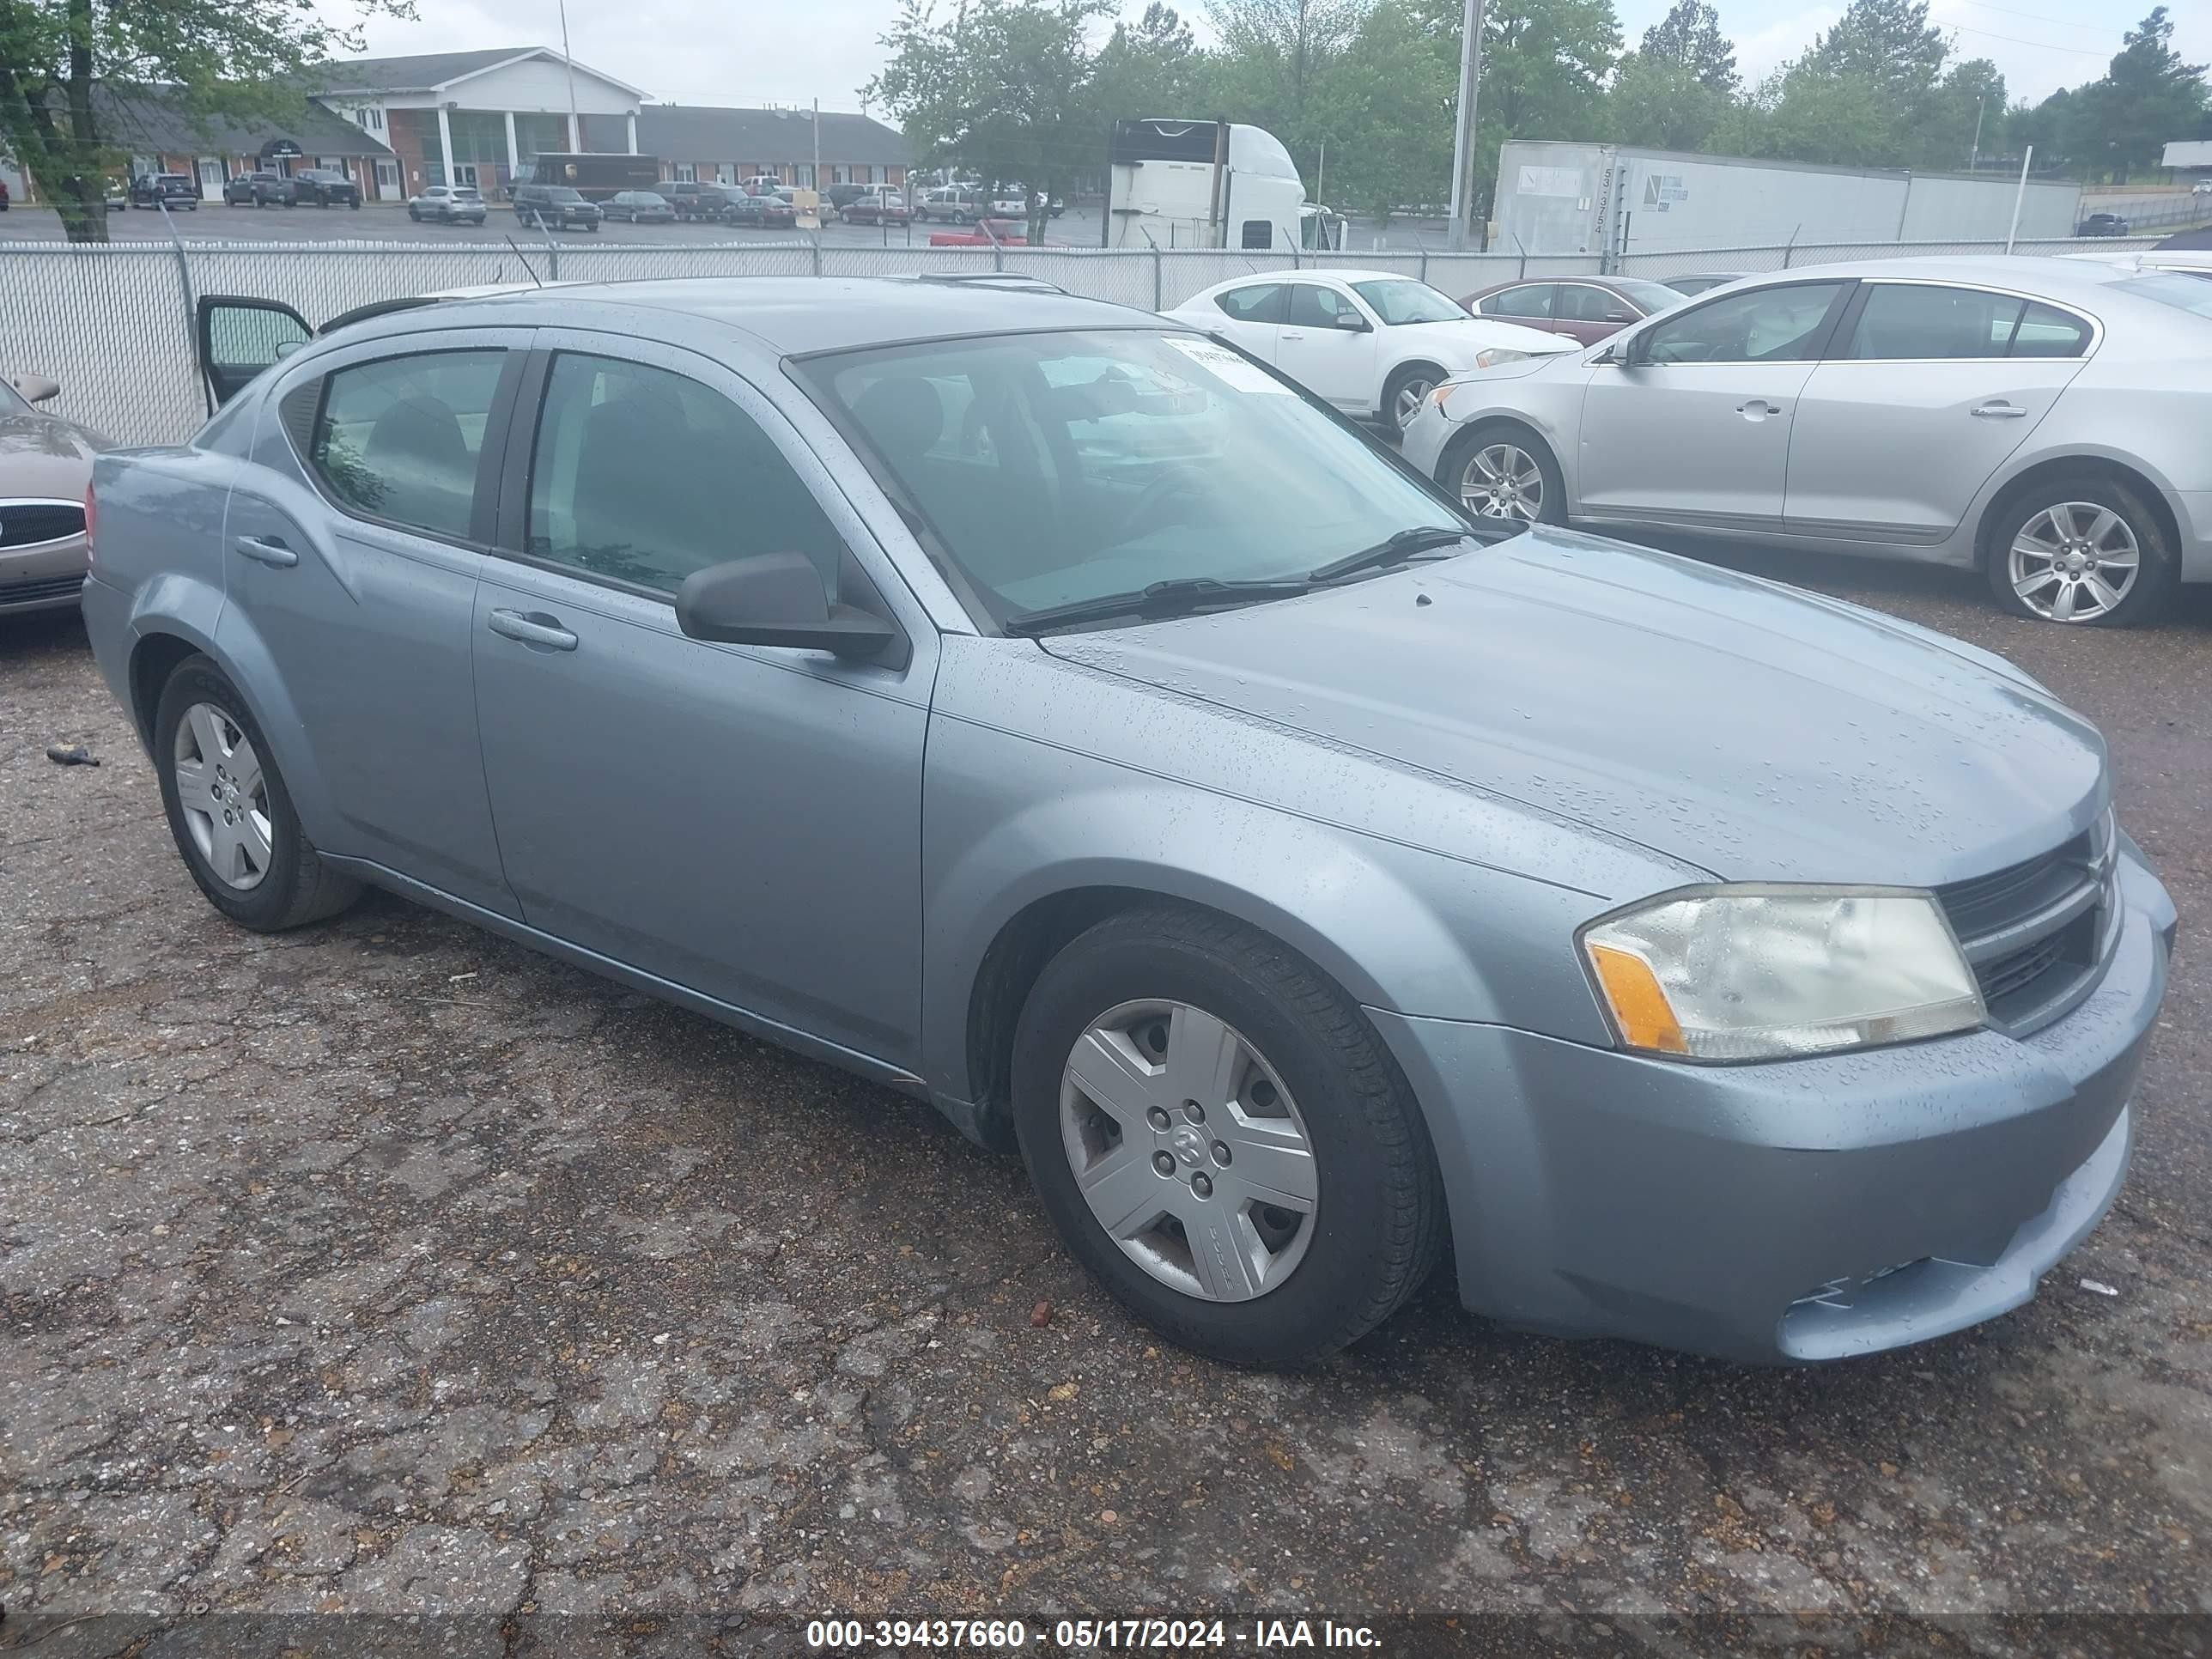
(185, 286)
(1424, 261)
(1158, 301)
(814, 244)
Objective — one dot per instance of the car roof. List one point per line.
(796, 315)
(2061, 278)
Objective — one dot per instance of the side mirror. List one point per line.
(775, 599)
(1351, 322)
(36, 388)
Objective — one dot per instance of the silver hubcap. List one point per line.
(2074, 561)
(1411, 397)
(1189, 1150)
(1503, 481)
(225, 801)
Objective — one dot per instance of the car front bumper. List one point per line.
(44, 577)
(1787, 1213)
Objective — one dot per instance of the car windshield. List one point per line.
(12, 402)
(2183, 290)
(1402, 299)
(1053, 469)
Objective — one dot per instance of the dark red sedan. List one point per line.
(1584, 308)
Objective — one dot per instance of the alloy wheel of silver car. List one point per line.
(1189, 1150)
(224, 796)
(2074, 561)
(1503, 481)
(1407, 404)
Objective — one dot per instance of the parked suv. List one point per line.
(554, 205)
(452, 205)
(324, 187)
(953, 204)
(2102, 224)
(177, 189)
(692, 198)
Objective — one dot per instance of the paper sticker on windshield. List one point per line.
(1227, 367)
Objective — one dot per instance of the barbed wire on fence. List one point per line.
(113, 322)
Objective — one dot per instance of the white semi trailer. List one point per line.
(1174, 183)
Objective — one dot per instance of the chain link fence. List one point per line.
(113, 323)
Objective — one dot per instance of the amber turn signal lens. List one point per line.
(1639, 1006)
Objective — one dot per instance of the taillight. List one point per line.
(91, 515)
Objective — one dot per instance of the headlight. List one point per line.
(1490, 356)
(1756, 972)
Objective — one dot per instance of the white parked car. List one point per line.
(1373, 343)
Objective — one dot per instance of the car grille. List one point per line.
(26, 523)
(2035, 931)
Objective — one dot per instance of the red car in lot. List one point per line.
(1584, 308)
(886, 206)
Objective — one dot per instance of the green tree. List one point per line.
(1970, 93)
(1385, 108)
(1889, 44)
(1689, 37)
(1150, 66)
(1272, 59)
(212, 59)
(2148, 96)
(1841, 117)
(1002, 86)
(1664, 104)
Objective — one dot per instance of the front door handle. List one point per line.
(1997, 411)
(269, 549)
(1758, 410)
(532, 631)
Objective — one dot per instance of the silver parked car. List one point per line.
(1157, 776)
(45, 465)
(2045, 421)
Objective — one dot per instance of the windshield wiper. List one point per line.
(1178, 597)
(1423, 538)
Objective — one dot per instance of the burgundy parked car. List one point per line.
(1584, 308)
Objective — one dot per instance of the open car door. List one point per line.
(237, 337)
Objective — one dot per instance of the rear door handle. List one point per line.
(1288, 334)
(1999, 411)
(269, 549)
(532, 631)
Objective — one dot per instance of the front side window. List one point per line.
(398, 438)
(719, 491)
(1765, 325)
(1313, 305)
(1403, 300)
(1259, 302)
(1921, 320)
(1049, 469)
(1581, 303)
(1533, 300)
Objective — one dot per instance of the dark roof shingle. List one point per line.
(149, 123)
(689, 132)
(424, 72)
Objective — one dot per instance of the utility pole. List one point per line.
(1974, 154)
(575, 128)
(818, 143)
(1470, 86)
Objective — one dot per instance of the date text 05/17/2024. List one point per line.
(1259, 1636)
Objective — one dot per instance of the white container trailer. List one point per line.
(1614, 200)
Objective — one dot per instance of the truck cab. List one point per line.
(1209, 183)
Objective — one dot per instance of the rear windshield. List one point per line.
(2183, 290)
(464, 194)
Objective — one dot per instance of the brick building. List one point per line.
(730, 145)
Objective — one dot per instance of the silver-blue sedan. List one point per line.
(1054, 714)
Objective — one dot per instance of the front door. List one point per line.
(1691, 427)
(1327, 347)
(351, 559)
(1927, 390)
(743, 822)
(387, 181)
(464, 173)
(211, 179)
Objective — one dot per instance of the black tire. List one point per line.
(2158, 570)
(297, 887)
(1379, 1217)
(1408, 374)
(415, 216)
(1460, 452)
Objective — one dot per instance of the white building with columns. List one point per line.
(475, 118)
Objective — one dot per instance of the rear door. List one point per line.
(1927, 390)
(1248, 314)
(353, 548)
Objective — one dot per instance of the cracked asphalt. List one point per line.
(386, 1269)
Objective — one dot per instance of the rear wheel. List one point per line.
(1221, 1138)
(228, 810)
(2087, 552)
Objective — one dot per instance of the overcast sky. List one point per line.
(697, 51)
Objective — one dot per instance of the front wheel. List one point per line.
(2081, 550)
(1222, 1139)
(228, 810)
(1409, 389)
(1500, 471)
(415, 217)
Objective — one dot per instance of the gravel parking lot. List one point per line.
(385, 1268)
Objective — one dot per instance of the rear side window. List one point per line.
(2047, 332)
(398, 438)
(1910, 320)
(1261, 302)
(719, 491)
(1532, 301)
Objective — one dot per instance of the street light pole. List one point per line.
(1470, 86)
(1974, 154)
(575, 130)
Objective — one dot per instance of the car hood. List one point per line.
(1456, 343)
(46, 456)
(1731, 723)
